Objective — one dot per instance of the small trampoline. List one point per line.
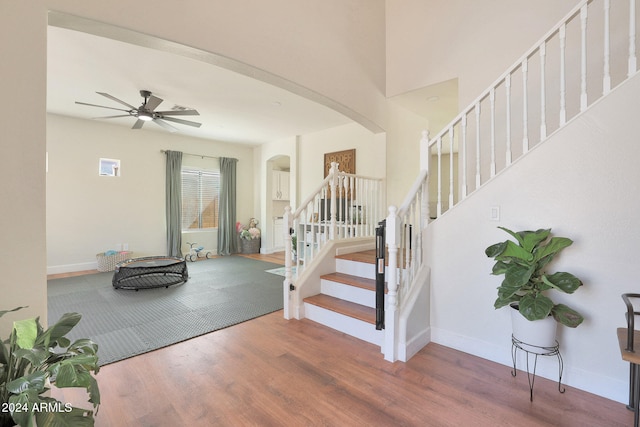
(150, 272)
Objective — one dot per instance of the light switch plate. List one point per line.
(494, 215)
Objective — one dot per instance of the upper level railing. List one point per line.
(592, 50)
(343, 206)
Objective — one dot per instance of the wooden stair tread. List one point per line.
(368, 257)
(347, 279)
(357, 311)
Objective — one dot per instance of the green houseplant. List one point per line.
(31, 360)
(525, 279)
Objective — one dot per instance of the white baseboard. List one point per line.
(72, 268)
(415, 344)
(609, 388)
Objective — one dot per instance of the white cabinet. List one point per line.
(278, 233)
(280, 185)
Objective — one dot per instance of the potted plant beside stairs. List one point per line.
(526, 283)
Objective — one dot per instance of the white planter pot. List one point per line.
(533, 335)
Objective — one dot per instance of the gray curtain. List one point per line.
(227, 235)
(174, 203)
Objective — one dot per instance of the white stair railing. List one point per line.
(405, 228)
(344, 206)
(591, 51)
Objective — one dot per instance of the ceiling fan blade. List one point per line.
(112, 117)
(165, 125)
(101, 106)
(138, 124)
(152, 103)
(183, 122)
(179, 113)
(116, 99)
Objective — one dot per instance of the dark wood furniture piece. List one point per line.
(626, 339)
(150, 272)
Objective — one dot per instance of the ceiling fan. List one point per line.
(146, 112)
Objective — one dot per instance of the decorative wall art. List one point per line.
(346, 160)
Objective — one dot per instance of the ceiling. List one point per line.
(233, 107)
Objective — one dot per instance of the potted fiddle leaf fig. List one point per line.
(32, 361)
(526, 280)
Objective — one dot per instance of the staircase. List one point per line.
(346, 301)
(552, 84)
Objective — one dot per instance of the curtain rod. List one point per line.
(195, 155)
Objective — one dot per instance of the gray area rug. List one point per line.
(220, 292)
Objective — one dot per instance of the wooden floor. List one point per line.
(273, 372)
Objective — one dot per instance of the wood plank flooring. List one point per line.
(274, 372)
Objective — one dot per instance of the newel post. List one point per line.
(288, 292)
(391, 311)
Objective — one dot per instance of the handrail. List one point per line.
(343, 206)
(513, 67)
(411, 195)
(404, 235)
(557, 64)
(311, 197)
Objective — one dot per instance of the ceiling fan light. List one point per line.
(144, 116)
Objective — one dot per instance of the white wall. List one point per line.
(88, 214)
(579, 183)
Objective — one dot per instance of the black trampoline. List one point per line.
(150, 272)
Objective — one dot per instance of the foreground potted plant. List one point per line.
(32, 360)
(526, 281)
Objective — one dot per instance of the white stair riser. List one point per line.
(354, 294)
(350, 326)
(360, 269)
(354, 268)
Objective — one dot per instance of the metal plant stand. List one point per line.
(535, 351)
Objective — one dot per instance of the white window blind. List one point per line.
(200, 198)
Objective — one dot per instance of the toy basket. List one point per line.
(108, 262)
(250, 246)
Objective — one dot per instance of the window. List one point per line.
(200, 197)
(109, 167)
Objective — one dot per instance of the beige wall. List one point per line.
(430, 41)
(403, 147)
(370, 154)
(88, 214)
(22, 140)
(330, 50)
(268, 153)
